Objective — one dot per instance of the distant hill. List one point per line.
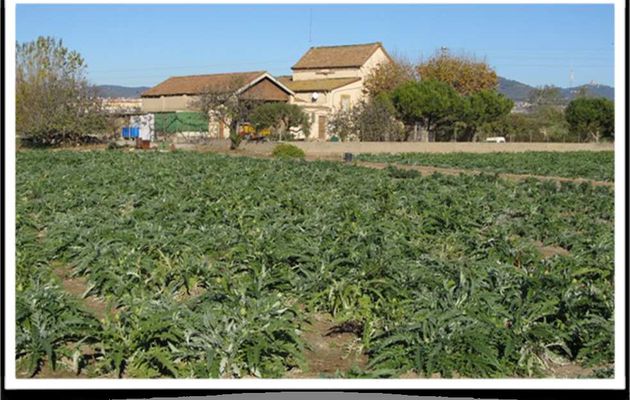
(515, 90)
(594, 90)
(120, 91)
(519, 91)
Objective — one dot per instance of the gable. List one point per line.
(265, 89)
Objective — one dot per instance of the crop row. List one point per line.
(212, 265)
(596, 165)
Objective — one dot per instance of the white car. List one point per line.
(498, 139)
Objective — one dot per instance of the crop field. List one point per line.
(204, 265)
(595, 165)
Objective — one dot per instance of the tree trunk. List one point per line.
(595, 135)
(473, 135)
(234, 136)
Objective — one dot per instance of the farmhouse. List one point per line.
(179, 94)
(328, 78)
(323, 80)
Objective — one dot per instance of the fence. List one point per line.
(177, 122)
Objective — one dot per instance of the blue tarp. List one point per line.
(130, 132)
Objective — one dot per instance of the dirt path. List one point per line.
(336, 149)
(428, 170)
(423, 169)
(328, 352)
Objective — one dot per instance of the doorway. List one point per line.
(321, 124)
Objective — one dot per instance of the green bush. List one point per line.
(287, 151)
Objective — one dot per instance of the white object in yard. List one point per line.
(498, 139)
(146, 123)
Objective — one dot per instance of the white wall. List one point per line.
(327, 73)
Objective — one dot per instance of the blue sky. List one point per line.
(141, 45)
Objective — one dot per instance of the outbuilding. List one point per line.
(179, 94)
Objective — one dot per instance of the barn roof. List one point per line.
(196, 84)
(346, 56)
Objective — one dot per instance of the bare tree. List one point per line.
(54, 101)
(225, 103)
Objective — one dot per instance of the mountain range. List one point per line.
(515, 90)
(519, 91)
(109, 91)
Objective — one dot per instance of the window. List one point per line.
(345, 102)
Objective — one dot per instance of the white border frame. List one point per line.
(618, 382)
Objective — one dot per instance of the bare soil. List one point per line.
(328, 352)
(570, 370)
(428, 170)
(77, 286)
(555, 371)
(550, 251)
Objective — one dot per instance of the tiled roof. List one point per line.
(316, 85)
(354, 55)
(196, 84)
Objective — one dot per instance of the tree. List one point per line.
(481, 108)
(376, 120)
(551, 124)
(343, 123)
(226, 105)
(386, 76)
(54, 101)
(429, 103)
(592, 117)
(372, 120)
(280, 117)
(464, 74)
(547, 103)
(547, 95)
(514, 127)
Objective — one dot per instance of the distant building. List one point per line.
(324, 79)
(122, 105)
(521, 107)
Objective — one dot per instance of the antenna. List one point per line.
(310, 26)
(571, 78)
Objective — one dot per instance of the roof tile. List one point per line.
(337, 56)
(196, 84)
